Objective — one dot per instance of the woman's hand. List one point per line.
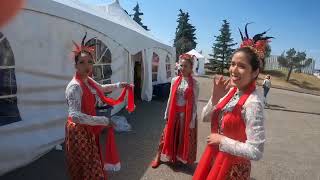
(124, 84)
(214, 139)
(220, 88)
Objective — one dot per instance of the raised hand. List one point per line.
(220, 88)
(124, 84)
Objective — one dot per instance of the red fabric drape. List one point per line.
(170, 147)
(215, 164)
(88, 107)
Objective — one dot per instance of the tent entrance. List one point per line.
(138, 74)
(197, 66)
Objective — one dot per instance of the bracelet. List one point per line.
(118, 84)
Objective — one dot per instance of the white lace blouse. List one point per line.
(74, 95)
(253, 115)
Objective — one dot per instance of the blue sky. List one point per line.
(293, 22)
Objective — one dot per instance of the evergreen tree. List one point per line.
(222, 48)
(268, 51)
(136, 17)
(185, 39)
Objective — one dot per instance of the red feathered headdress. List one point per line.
(186, 56)
(83, 48)
(258, 43)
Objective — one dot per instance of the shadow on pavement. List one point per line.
(136, 148)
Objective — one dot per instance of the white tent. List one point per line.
(199, 59)
(36, 66)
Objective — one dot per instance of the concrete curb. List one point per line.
(294, 90)
(294, 111)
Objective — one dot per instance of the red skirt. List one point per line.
(178, 134)
(216, 165)
(82, 153)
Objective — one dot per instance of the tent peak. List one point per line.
(195, 53)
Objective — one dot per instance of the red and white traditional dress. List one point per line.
(179, 137)
(83, 128)
(239, 117)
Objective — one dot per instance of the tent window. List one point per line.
(102, 68)
(155, 65)
(9, 111)
(168, 67)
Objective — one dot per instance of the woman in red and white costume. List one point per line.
(179, 138)
(83, 128)
(237, 118)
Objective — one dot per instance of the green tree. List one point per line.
(293, 60)
(136, 17)
(222, 48)
(185, 39)
(268, 51)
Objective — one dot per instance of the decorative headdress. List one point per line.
(186, 56)
(258, 43)
(83, 48)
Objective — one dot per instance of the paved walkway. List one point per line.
(292, 150)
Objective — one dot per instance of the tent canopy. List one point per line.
(195, 53)
(40, 39)
(198, 68)
(111, 20)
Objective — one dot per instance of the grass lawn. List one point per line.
(298, 81)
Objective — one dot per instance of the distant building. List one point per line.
(272, 64)
(317, 73)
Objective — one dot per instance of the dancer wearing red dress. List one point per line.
(179, 138)
(83, 127)
(237, 118)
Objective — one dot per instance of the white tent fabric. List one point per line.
(41, 40)
(195, 53)
(117, 14)
(162, 71)
(146, 92)
(200, 61)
